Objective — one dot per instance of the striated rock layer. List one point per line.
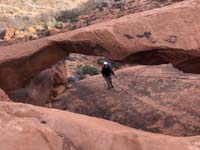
(169, 34)
(159, 99)
(26, 127)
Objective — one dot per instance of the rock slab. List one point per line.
(26, 127)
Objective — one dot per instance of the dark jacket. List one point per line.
(107, 71)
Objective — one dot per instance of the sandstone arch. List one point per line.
(172, 32)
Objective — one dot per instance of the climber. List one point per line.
(106, 73)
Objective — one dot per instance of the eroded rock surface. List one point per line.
(159, 99)
(169, 34)
(26, 127)
(166, 35)
(19, 63)
(44, 86)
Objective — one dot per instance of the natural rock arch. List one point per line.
(159, 32)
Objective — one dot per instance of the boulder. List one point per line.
(26, 127)
(165, 35)
(8, 33)
(31, 30)
(44, 86)
(52, 30)
(20, 34)
(159, 99)
(26, 35)
(21, 62)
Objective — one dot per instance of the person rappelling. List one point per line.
(107, 73)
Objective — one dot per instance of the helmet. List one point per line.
(105, 63)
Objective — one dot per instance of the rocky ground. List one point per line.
(27, 127)
(137, 38)
(156, 92)
(159, 99)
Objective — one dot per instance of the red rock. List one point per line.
(26, 127)
(159, 99)
(59, 73)
(4, 96)
(19, 63)
(19, 34)
(58, 90)
(165, 35)
(9, 33)
(52, 31)
(31, 30)
(159, 36)
(81, 24)
(44, 86)
(83, 17)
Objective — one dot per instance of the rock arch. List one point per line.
(171, 32)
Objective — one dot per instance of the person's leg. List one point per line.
(110, 79)
(108, 82)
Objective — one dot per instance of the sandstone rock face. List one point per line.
(25, 133)
(3, 96)
(26, 127)
(44, 86)
(19, 63)
(159, 99)
(167, 35)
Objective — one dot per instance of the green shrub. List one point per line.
(101, 60)
(81, 71)
(72, 79)
(90, 70)
(102, 5)
(65, 16)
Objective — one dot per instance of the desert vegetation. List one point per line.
(30, 7)
(155, 87)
